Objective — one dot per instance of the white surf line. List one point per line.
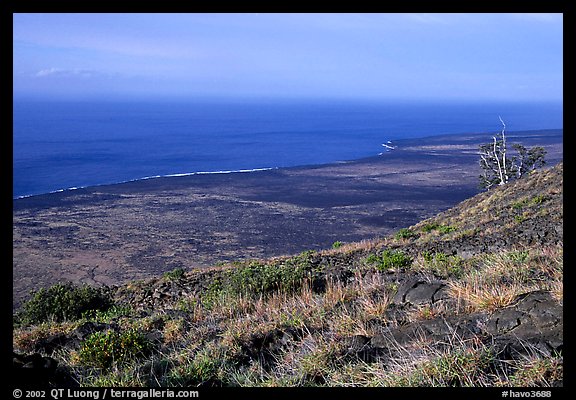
(150, 177)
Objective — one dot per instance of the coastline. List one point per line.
(146, 178)
(110, 234)
(388, 147)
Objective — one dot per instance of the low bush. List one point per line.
(404, 233)
(103, 349)
(434, 226)
(62, 302)
(257, 279)
(446, 229)
(429, 227)
(264, 278)
(175, 274)
(390, 259)
(444, 265)
(107, 315)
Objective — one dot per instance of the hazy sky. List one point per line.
(388, 56)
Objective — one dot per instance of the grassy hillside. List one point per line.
(471, 297)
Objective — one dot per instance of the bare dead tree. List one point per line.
(498, 169)
(493, 161)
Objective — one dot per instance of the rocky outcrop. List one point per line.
(532, 325)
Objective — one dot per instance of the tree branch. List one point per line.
(505, 180)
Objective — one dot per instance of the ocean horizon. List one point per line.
(65, 145)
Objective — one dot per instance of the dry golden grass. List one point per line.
(476, 296)
(363, 245)
(500, 278)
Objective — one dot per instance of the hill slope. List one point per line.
(471, 297)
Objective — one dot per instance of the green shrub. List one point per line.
(301, 261)
(520, 218)
(444, 265)
(107, 315)
(337, 245)
(434, 226)
(538, 199)
(62, 302)
(256, 279)
(429, 227)
(103, 349)
(391, 259)
(404, 233)
(264, 278)
(446, 229)
(518, 205)
(534, 201)
(175, 274)
(518, 257)
(212, 293)
(372, 258)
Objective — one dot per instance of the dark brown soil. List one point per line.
(116, 233)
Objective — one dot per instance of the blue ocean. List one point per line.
(63, 145)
